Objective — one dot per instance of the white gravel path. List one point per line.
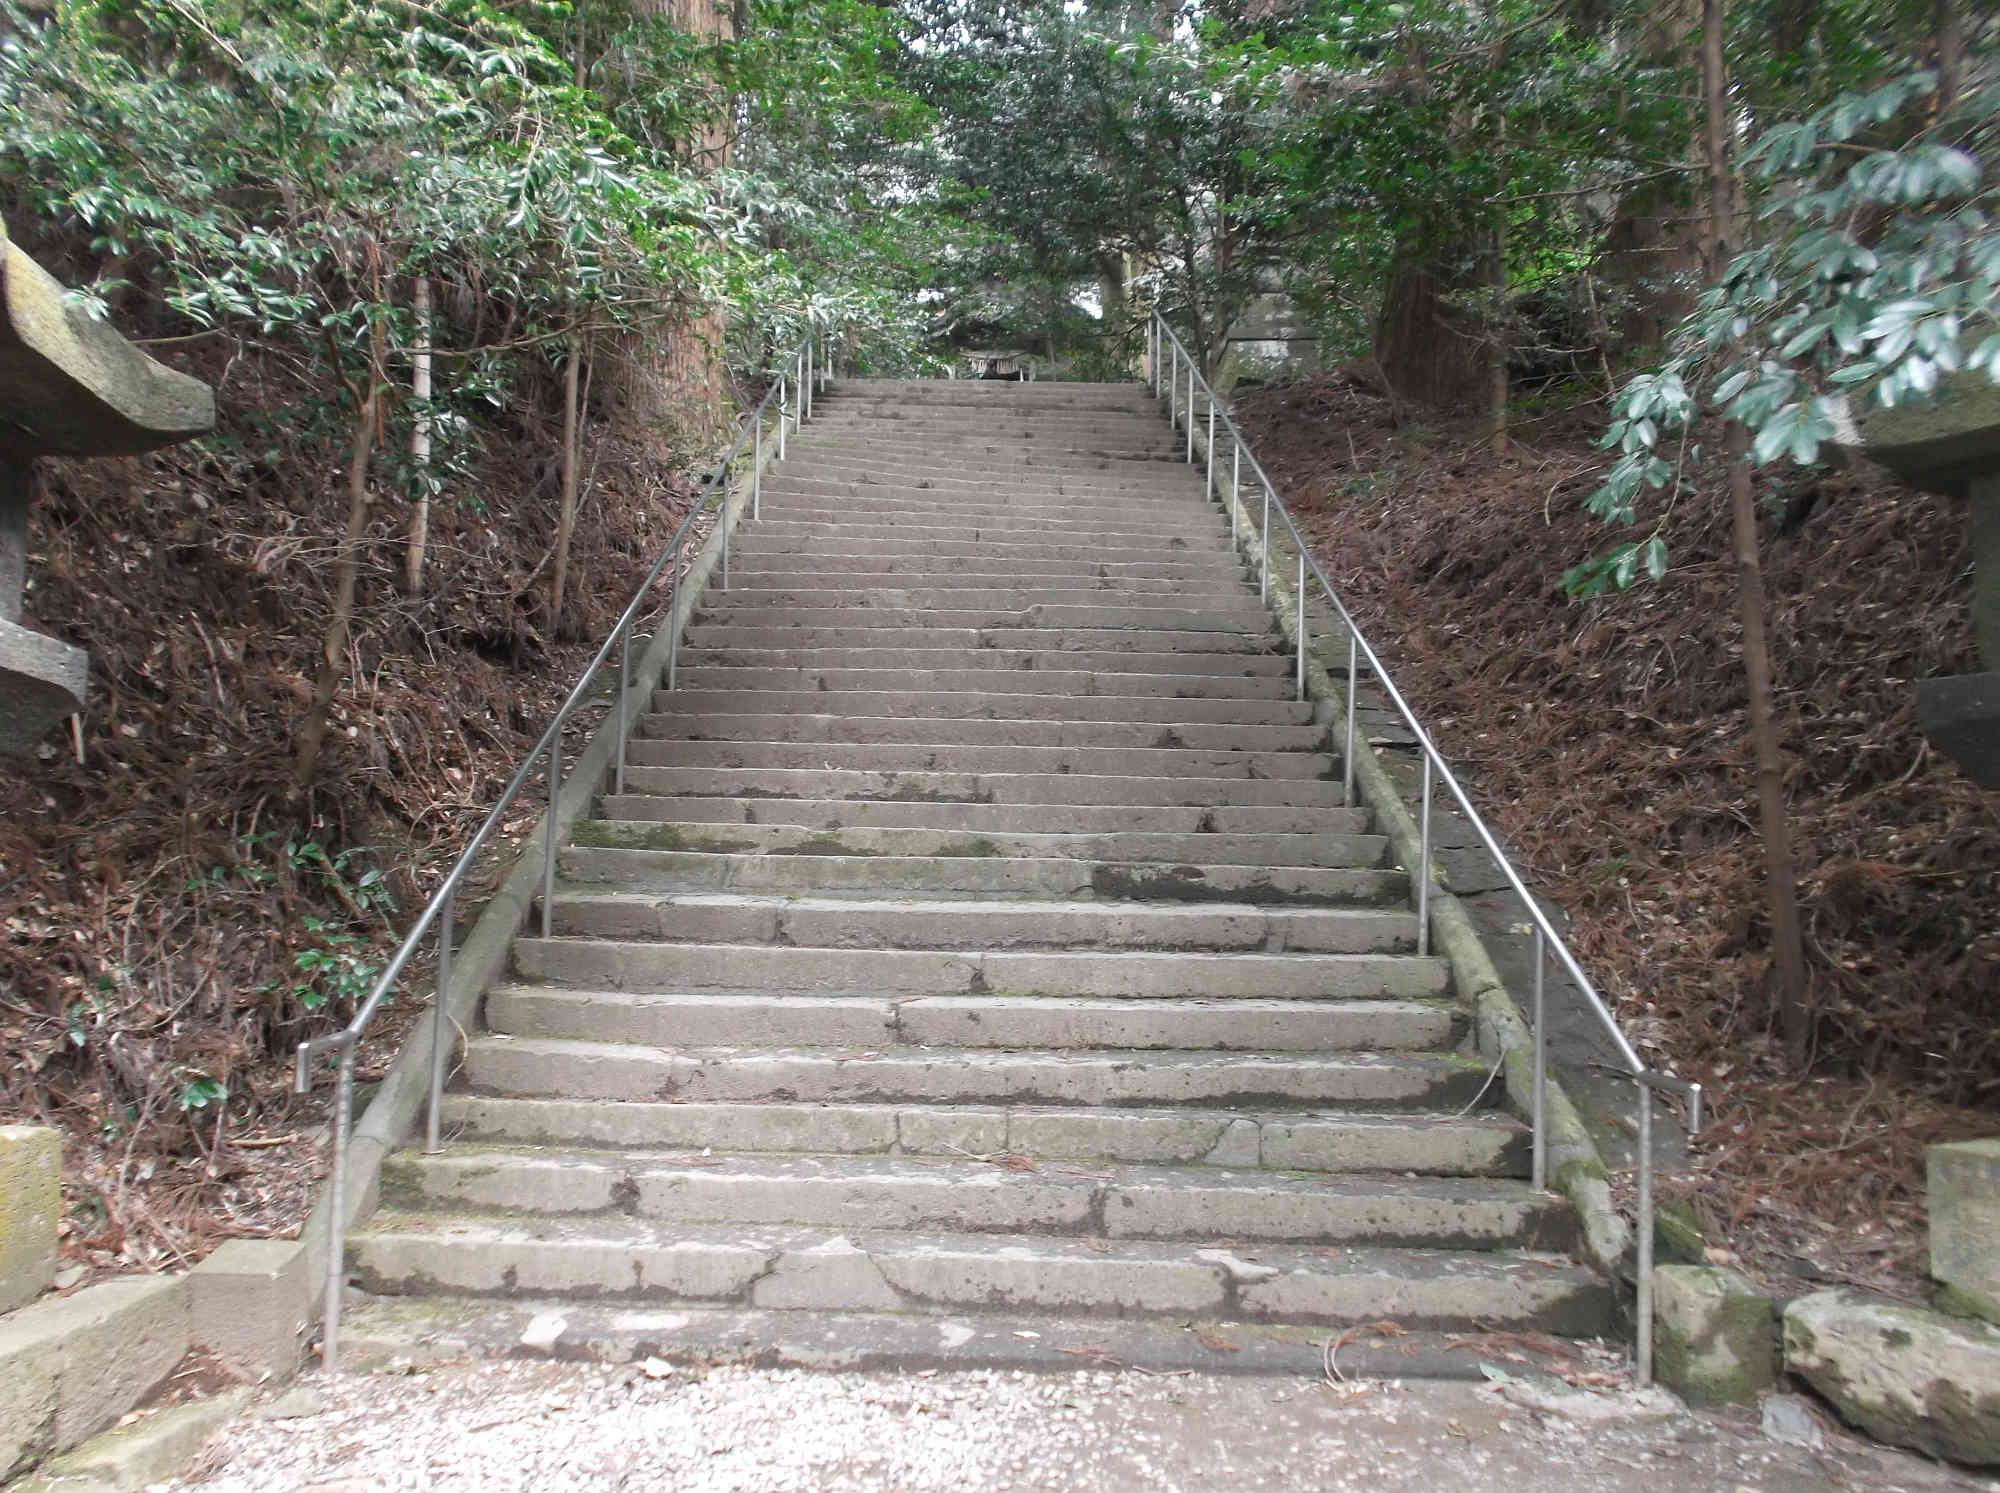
(493, 1426)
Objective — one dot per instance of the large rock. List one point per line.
(30, 1208)
(1713, 1342)
(1965, 1225)
(1905, 1375)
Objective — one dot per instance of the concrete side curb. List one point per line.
(148, 1451)
(485, 954)
(1576, 1169)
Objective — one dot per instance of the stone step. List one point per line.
(776, 839)
(1141, 616)
(803, 593)
(1136, 668)
(911, 396)
(392, 1333)
(887, 730)
(970, 1196)
(788, 1019)
(981, 705)
(1061, 452)
(838, 585)
(645, 966)
(761, 550)
(768, 533)
(625, 1072)
(860, 486)
(968, 876)
(957, 819)
(1480, 1144)
(903, 758)
(1143, 483)
(983, 787)
(787, 1268)
(1024, 650)
(947, 569)
(873, 924)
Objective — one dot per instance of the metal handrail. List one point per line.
(797, 378)
(1359, 653)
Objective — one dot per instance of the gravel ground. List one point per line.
(491, 1426)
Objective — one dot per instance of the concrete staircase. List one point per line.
(981, 938)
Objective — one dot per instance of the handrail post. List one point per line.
(1353, 689)
(806, 389)
(1264, 569)
(1299, 626)
(781, 417)
(1645, 1312)
(1208, 482)
(1235, 493)
(1423, 867)
(1173, 384)
(1153, 354)
(440, 1022)
(674, 619)
(336, 1221)
(757, 466)
(624, 708)
(549, 836)
(722, 523)
(1540, 1177)
(1190, 410)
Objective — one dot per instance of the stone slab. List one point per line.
(30, 1209)
(42, 681)
(1905, 1375)
(1960, 713)
(149, 1451)
(72, 386)
(70, 1366)
(1964, 1199)
(1713, 1338)
(250, 1304)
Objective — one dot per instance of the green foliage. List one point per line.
(1877, 275)
(332, 969)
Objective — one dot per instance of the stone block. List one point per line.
(250, 1304)
(1965, 1224)
(70, 1366)
(1713, 1342)
(1905, 1375)
(30, 1209)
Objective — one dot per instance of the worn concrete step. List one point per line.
(789, 1019)
(843, 583)
(976, 1196)
(521, 1066)
(1063, 452)
(982, 705)
(908, 923)
(1233, 676)
(899, 758)
(1050, 645)
(1484, 1143)
(982, 787)
(1141, 666)
(895, 397)
(788, 1268)
(1013, 626)
(1192, 565)
(777, 839)
(393, 1333)
(976, 876)
(891, 730)
(768, 533)
(604, 963)
(762, 550)
(960, 819)
(804, 593)
(850, 487)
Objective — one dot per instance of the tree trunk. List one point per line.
(420, 441)
(1496, 286)
(1426, 349)
(1788, 950)
(333, 648)
(1950, 53)
(566, 523)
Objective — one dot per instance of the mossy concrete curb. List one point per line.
(1576, 1169)
(150, 1450)
(483, 958)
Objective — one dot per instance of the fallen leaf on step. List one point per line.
(1216, 1343)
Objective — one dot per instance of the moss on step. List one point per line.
(601, 834)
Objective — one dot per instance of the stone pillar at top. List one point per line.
(69, 386)
(1952, 445)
